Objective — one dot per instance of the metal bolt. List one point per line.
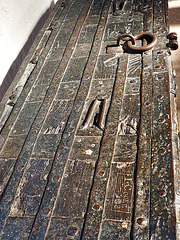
(173, 44)
(172, 36)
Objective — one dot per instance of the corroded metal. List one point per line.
(173, 44)
(149, 37)
(128, 45)
(89, 136)
(172, 36)
(125, 35)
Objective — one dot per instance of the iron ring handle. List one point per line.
(126, 35)
(144, 35)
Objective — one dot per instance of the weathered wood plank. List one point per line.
(75, 69)
(125, 149)
(87, 34)
(95, 211)
(25, 119)
(42, 220)
(113, 118)
(119, 199)
(97, 198)
(25, 75)
(60, 42)
(6, 169)
(82, 50)
(17, 228)
(101, 89)
(51, 142)
(12, 147)
(19, 168)
(96, 8)
(57, 117)
(67, 90)
(119, 230)
(68, 229)
(46, 145)
(28, 195)
(102, 72)
(85, 148)
(99, 148)
(76, 182)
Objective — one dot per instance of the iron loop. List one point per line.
(126, 35)
(149, 37)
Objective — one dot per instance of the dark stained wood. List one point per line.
(90, 147)
(29, 195)
(119, 200)
(57, 171)
(7, 167)
(28, 147)
(67, 228)
(75, 187)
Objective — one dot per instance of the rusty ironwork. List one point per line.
(88, 149)
(148, 36)
(126, 35)
(126, 43)
(173, 43)
(172, 36)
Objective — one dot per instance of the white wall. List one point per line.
(17, 20)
